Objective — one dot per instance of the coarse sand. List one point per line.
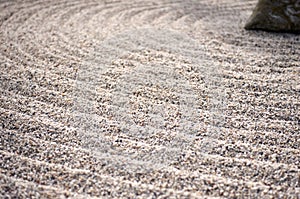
(146, 99)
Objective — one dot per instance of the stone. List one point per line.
(276, 16)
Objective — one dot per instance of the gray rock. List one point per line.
(275, 15)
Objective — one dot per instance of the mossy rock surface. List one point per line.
(276, 15)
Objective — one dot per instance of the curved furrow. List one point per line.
(191, 164)
(79, 175)
(27, 60)
(74, 156)
(243, 118)
(265, 43)
(281, 136)
(32, 90)
(84, 49)
(35, 45)
(174, 185)
(43, 102)
(28, 106)
(22, 13)
(41, 127)
(16, 187)
(82, 13)
(52, 56)
(256, 137)
(36, 81)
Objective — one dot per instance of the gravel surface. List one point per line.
(146, 99)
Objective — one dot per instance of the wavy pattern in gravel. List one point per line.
(143, 98)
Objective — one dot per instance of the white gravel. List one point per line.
(146, 99)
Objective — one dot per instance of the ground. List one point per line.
(146, 99)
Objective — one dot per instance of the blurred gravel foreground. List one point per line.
(146, 99)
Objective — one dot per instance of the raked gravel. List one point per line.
(146, 99)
